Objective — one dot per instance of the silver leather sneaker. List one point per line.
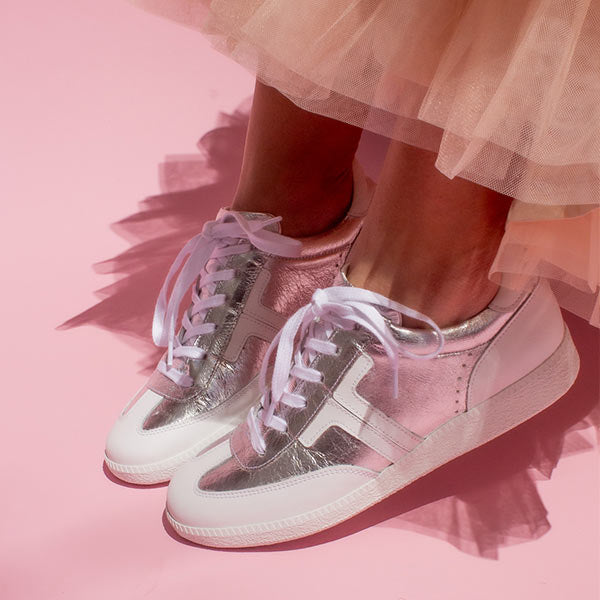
(357, 407)
(247, 280)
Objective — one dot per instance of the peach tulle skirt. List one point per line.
(506, 92)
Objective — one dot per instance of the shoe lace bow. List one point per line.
(307, 334)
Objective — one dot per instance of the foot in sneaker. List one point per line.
(357, 407)
(248, 279)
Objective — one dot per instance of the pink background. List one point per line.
(95, 94)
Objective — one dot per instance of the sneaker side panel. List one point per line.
(526, 341)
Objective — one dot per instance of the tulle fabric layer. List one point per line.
(507, 93)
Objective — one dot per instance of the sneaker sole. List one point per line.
(497, 415)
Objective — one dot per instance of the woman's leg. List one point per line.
(297, 164)
(428, 241)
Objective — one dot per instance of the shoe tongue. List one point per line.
(250, 216)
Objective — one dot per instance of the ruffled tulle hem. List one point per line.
(506, 93)
(565, 250)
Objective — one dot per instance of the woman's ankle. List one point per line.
(449, 294)
(308, 205)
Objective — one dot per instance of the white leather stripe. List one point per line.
(245, 328)
(348, 410)
(347, 395)
(255, 320)
(332, 414)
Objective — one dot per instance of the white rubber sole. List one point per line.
(162, 471)
(465, 432)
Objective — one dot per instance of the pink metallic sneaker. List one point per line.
(248, 280)
(358, 407)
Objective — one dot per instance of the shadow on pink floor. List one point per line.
(480, 502)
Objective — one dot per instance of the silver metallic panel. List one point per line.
(223, 380)
(171, 412)
(335, 447)
(475, 331)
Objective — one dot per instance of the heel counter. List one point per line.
(529, 338)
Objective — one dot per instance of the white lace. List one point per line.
(341, 307)
(203, 256)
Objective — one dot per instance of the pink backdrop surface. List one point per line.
(95, 95)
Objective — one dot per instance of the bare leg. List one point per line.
(428, 241)
(297, 164)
